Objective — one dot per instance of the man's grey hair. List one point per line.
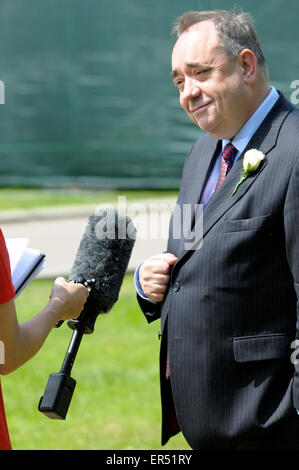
(236, 32)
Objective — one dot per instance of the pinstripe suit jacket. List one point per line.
(232, 305)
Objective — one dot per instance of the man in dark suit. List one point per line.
(229, 306)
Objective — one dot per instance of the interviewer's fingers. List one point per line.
(68, 297)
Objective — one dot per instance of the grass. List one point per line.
(19, 198)
(116, 403)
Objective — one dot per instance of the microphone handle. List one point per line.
(60, 387)
(71, 353)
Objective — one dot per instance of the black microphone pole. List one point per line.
(60, 387)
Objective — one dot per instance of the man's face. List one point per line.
(211, 86)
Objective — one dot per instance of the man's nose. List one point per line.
(191, 89)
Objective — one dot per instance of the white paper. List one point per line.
(16, 248)
(26, 263)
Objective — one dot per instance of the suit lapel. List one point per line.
(201, 170)
(209, 150)
(264, 140)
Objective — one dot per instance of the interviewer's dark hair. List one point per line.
(236, 32)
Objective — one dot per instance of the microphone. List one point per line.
(100, 264)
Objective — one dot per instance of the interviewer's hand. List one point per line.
(68, 298)
(154, 275)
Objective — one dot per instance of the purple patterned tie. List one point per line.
(227, 159)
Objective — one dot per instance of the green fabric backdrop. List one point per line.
(88, 96)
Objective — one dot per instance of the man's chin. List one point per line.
(204, 125)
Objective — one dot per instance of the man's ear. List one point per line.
(248, 62)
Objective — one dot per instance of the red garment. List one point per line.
(7, 292)
(4, 434)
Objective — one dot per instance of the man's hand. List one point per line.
(68, 297)
(154, 275)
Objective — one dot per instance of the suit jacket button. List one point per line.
(176, 287)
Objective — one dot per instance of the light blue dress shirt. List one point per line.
(240, 142)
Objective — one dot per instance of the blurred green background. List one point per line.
(91, 112)
(88, 96)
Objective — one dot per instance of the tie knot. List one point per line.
(228, 153)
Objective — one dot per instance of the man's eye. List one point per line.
(197, 73)
(178, 83)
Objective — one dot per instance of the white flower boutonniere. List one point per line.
(251, 161)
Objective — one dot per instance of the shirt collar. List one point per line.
(246, 132)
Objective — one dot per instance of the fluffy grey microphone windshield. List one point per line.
(103, 255)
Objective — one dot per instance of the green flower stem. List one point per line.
(244, 175)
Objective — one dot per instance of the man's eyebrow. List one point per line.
(192, 65)
(189, 65)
